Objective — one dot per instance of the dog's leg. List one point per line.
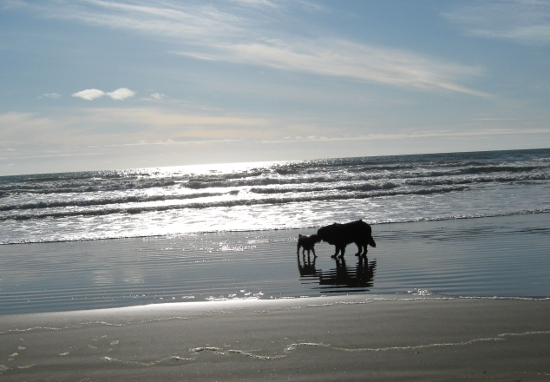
(342, 251)
(359, 248)
(363, 250)
(313, 250)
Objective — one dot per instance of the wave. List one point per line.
(298, 193)
(348, 188)
(69, 187)
(428, 181)
(106, 201)
(323, 179)
(227, 203)
(292, 173)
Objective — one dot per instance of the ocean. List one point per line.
(274, 195)
(124, 237)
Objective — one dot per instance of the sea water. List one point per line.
(274, 195)
(464, 224)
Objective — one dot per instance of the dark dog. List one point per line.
(307, 243)
(340, 235)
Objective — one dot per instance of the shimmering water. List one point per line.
(486, 257)
(275, 195)
(473, 224)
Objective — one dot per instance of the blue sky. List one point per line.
(91, 85)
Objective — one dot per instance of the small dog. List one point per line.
(307, 243)
(340, 235)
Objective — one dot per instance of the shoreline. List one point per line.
(282, 229)
(237, 304)
(356, 337)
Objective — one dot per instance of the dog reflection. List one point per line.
(360, 276)
(306, 267)
(342, 276)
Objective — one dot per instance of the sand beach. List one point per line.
(352, 338)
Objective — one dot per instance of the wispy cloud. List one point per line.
(21, 130)
(521, 21)
(134, 116)
(50, 96)
(169, 20)
(92, 94)
(158, 96)
(257, 3)
(228, 33)
(346, 59)
(31, 130)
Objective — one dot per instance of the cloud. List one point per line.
(29, 131)
(92, 94)
(121, 94)
(158, 96)
(89, 94)
(341, 58)
(407, 135)
(50, 96)
(227, 31)
(22, 131)
(175, 20)
(160, 118)
(257, 3)
(520, 21)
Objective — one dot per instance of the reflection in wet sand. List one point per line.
(359, 277)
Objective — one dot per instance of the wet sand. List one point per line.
(500, 256)
(352, 338)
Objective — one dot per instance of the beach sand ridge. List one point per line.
(356, 337)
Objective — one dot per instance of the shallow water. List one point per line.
(498, 256)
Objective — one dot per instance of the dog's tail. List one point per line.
(371, 242)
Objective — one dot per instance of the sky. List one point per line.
(98, 85)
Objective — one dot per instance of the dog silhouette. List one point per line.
(307, 243)
(340, 235)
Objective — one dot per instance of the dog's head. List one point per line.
(304, 239)
(315, 238)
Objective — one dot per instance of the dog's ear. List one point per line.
(299, 236)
